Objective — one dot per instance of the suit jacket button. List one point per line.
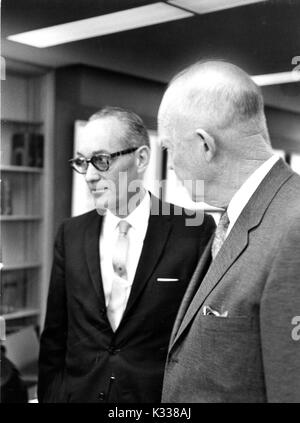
(101, 396)
(113, 350)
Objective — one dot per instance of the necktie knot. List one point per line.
(124, 227)
(220, 234)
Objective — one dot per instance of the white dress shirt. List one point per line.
(243, 195)
(138, 220)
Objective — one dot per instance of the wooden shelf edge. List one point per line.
(22, 122)
(21, 266)
(19, 314)
(13, 218)
(21, 169)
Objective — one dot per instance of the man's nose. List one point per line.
(92, 174)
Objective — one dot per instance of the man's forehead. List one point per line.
(108, 124)
(172, 120)
(107, 133)
(167, 136)
(166, 118)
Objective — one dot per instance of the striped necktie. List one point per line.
(118, 298)
(220, 234)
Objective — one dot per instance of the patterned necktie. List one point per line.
(117, 302)
(220, 234)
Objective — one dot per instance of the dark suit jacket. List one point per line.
(252, 355)
(13, 389)
(81, 358)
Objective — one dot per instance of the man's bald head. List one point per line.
(217, 96)
(211, 120)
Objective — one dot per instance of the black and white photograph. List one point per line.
(150, 205)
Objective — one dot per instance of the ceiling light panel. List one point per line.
(277, 78)
(208, 6)
(101, 25)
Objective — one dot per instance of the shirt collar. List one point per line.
(138, 218)
(245, 192)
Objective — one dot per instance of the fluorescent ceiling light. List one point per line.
(208, 6)
(101, 25)
(277, 78)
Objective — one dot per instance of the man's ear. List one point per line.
(142, 158)
(208, 143)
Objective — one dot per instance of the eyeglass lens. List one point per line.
(100, 162)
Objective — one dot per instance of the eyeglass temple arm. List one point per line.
(122, 153)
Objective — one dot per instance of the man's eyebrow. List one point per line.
(99, 152)
(93, 152)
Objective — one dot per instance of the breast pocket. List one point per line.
(224, 349)
(167, 281)
(226, 324)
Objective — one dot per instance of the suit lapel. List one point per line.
(91, 244)
(237, 240)
(198, 275)
(159, 228)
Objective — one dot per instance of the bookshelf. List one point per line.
(20, 169)
(25, 196)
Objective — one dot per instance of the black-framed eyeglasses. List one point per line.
(100, 161)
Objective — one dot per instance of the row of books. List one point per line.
(27, 149)
(6, 197)
(13, 294)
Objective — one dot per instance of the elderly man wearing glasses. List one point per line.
(119, 274)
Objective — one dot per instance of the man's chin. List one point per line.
(101, 204)
(101, 212)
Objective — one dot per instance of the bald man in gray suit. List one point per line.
(237, 333)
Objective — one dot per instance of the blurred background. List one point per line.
(62, 60)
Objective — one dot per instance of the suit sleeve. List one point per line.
(280, 321)
(53, 338)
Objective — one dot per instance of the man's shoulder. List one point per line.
(289, 183)
(293, 189)
(287, 198)
(192, 220)
(80, 220)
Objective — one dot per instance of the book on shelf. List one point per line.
(13, 293)
(27, 149)
(6, 197)
(20, 144)
(36, 150)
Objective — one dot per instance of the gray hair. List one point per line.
(231, 98)
(136, 132)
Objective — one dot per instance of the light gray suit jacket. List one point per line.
(253, 354)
